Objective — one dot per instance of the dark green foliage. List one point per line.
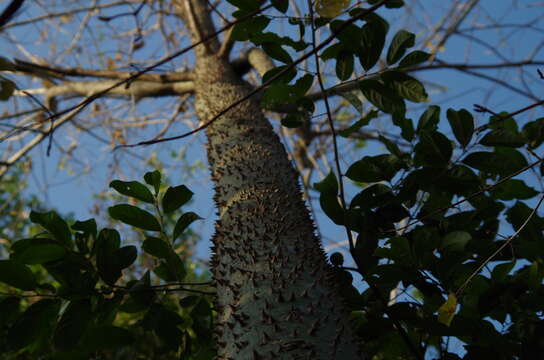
(88, 281)
(175, 197)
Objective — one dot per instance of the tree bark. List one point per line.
(276, 298)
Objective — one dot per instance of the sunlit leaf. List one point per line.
(446, 312)
(331, 8)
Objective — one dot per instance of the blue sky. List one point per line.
(60, 189)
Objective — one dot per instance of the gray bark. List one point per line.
(276, 298)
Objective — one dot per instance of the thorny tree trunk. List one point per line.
(275, 295)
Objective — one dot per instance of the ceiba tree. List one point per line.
(275, 294)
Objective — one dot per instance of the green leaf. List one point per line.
(503, 137)
(405, 124)
(269, 37)
(531, 236)
(433, 149)
(107, 243)
(285, 78)
(446, 312)
(189, 301)
(141, 293)
(7, 87)
(107, 337)
(85, 238)
(405, 86)
(249, 5)
(332, 51)
(513, 189)
(328, 198)
(372, 197)
(428, 121)
(331, 8)
(501, 271)
(133, 189)
(344, 65)
(34, 325)
(374, 168)
(87, 226)
(293, 120)
(534, 132)
(281, 5)
(372, 114)
(391, 4)
(17, 275)
(391, 146)
(279, 92)
(302, 85)
(455, 241)
(183, 223)
(55, 225)
(165, 324)
(400, 43)
(462, 124)
(6, 65)
(329, 184)
(175, 197)
(246, 29)
(275, 51)
(72, 324)
(156, 247)
(9, 310)
(125, 256)
(40, 253)
(382, 97)
(353, 99)
(502, 162)
(134, 216)
(153, 178)
(414, 58)
(372, 37)
(171, 270)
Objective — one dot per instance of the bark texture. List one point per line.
(276, 298)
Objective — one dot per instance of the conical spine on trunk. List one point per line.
(275, 295)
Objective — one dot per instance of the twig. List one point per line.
(265, 84)
(506, 243)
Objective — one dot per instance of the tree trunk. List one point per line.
(276, 298)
